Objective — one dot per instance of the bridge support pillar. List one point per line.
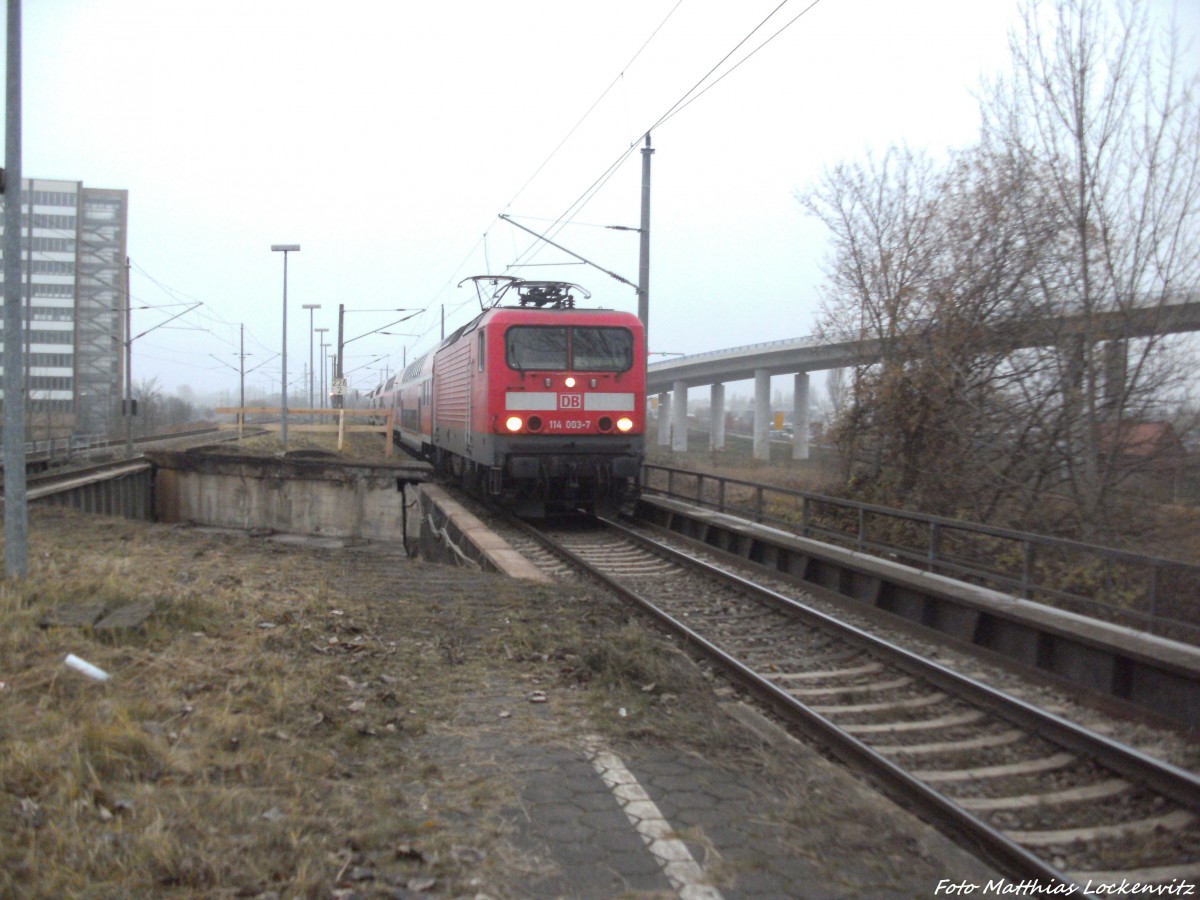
(664, 419)
(1116, 375)
(800, 417)
(762, 414)
(679, 435)
(716, 428)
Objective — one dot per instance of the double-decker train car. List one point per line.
(538, 403)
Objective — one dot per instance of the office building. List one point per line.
(74, 310)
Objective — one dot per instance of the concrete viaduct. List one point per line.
(671, 379)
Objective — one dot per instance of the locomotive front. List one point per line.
(567, 394)
(542, 404)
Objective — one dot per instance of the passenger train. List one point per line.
(535, 402)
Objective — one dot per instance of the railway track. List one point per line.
(1038, 796)
(43, 459)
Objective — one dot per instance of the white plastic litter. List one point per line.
(82, 665)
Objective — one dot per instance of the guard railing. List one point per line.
(1147, 592)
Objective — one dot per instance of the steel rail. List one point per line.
(31, 451)
(1178, 784)
(991, 844)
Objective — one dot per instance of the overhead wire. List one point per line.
(688, 97)
(205, 312)
(595, 103)
(432, 304)
(180, 298)
(697, 90)
(680, 106)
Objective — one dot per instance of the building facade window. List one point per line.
(46, 267)
(50, 382)
(73, 241)
(41, 336)
(51, 360)
(50, 220)
(51, 267)
(48, 244)
(52, 198)
(53, 290)
(45, 405)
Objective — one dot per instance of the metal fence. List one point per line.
(1146, 592)
(66, 445)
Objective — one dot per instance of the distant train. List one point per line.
(539, 404)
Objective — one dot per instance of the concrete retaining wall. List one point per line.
(452, 535)
(300, 494)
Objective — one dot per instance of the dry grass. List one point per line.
(275, 726)
(1162, 529)
(357, 446)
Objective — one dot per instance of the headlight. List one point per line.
(513, 423)
(624, 423)
(570, 381)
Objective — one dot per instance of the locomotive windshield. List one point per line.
(601, 349)
(536, 348)
(580, 348)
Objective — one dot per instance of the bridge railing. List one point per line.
(749, 348)
(1145, 592)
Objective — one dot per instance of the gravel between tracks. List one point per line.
(1159, 740)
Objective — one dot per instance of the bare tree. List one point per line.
(1008, 290)
(832, 404)
(1098, 110)
(149, 396)
(158, 410)
(880, 215)
(925, 264)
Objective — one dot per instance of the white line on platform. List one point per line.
(685, 874)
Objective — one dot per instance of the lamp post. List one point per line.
(285, 249)
(310, 307)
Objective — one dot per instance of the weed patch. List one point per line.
(278, 723)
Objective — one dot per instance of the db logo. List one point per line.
(570, 401)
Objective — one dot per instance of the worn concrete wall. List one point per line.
(295, 494)
(450, 534)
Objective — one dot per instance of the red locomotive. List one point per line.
(539, 403)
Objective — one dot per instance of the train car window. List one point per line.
(536, 347)
(481, 351)
(601, 349)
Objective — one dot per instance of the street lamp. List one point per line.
(285, 249)
(310, 307)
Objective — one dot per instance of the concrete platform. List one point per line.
(297, 493)
(451, 534)
(653, 821)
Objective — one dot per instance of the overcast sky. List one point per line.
(385, 137)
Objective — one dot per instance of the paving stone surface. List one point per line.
(736, 834)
